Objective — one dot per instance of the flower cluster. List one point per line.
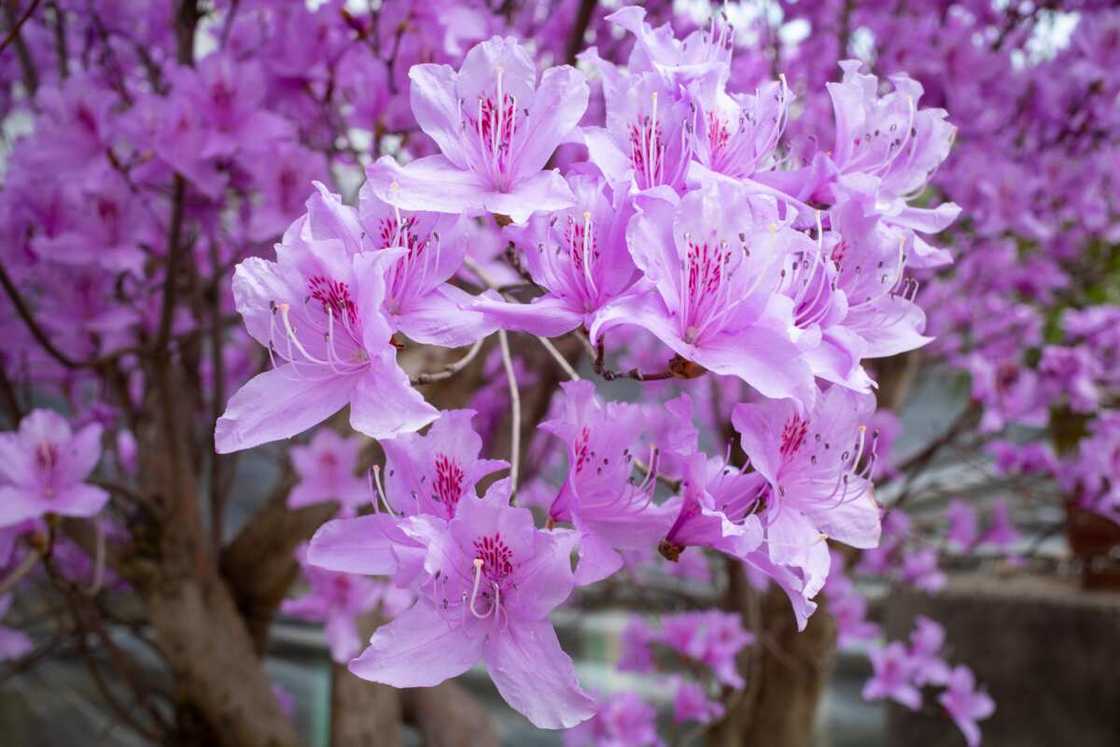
(599, 314)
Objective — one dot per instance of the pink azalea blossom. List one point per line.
(317, 310)
(433, 473)
(578, 255)
(610, 509)
(496, 125)
(488, 583)
(712, 265)
(893, 677)
(964, 523)
(1001, 531)
(691, 703)
(419, 301)
(623, 720)
(965, 704)
(926, 642)
(713, 638)
(43, 469)
(326, 470)
(336, 599)
(815, 466)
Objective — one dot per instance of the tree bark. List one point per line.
(448, 716)
(787, 671)
(363, 714)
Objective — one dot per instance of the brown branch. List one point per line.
(24, 312)
(26, 61)
(579, 29)
(259, 565)
(448, 716)
(363, 713)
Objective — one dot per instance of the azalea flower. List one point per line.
(610, 510)
(433, 473)
(965, 704)
(893, 677)
(926, 642)
(317, 310)
(418, 299)
(496, 126)
(623, 720)
(691, 703)
(13, 643)
(713, 638)
(579, 256)
(712, 265)
(336, 599)
(963, 524)
(326, 470)
(43, 469)
(815, 465)
(488, 583)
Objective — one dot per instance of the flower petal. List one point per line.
(279, 404)
(418, 649)
(536, 677)
(384, 404)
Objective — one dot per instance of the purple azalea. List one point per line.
(893, 677)
(13, 643)
(712, 637)
(735, 135)
(847, 605)
(317, 310)
(1001, 531)
(926, 642)
(433, 473)
(691, 703)
(43, 468)
(609, 509)
(887, 137)
(876, 315)
(646, 144)
(704, 52)
(712, 265)
(496, 125)
(715, 510)
(623, 720)
(920, 569)
(965, 704)
(418, 299)
(815, 465)
(488, 583)
(963, 524)
(579, 256)
(326, 472)
(636, 654)
(335, 599)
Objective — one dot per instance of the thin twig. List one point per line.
(579, 29)
(26, 61)
(174, 255)
(450, 369)
(98, 561)
(559, 358)
(28, 318)
(515, 412)
(25, 566)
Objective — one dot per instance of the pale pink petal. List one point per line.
(277, 404)
(418, 649)
(536, 677)
(384, 404)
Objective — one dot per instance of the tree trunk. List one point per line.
(363, 714)
(787, 671)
